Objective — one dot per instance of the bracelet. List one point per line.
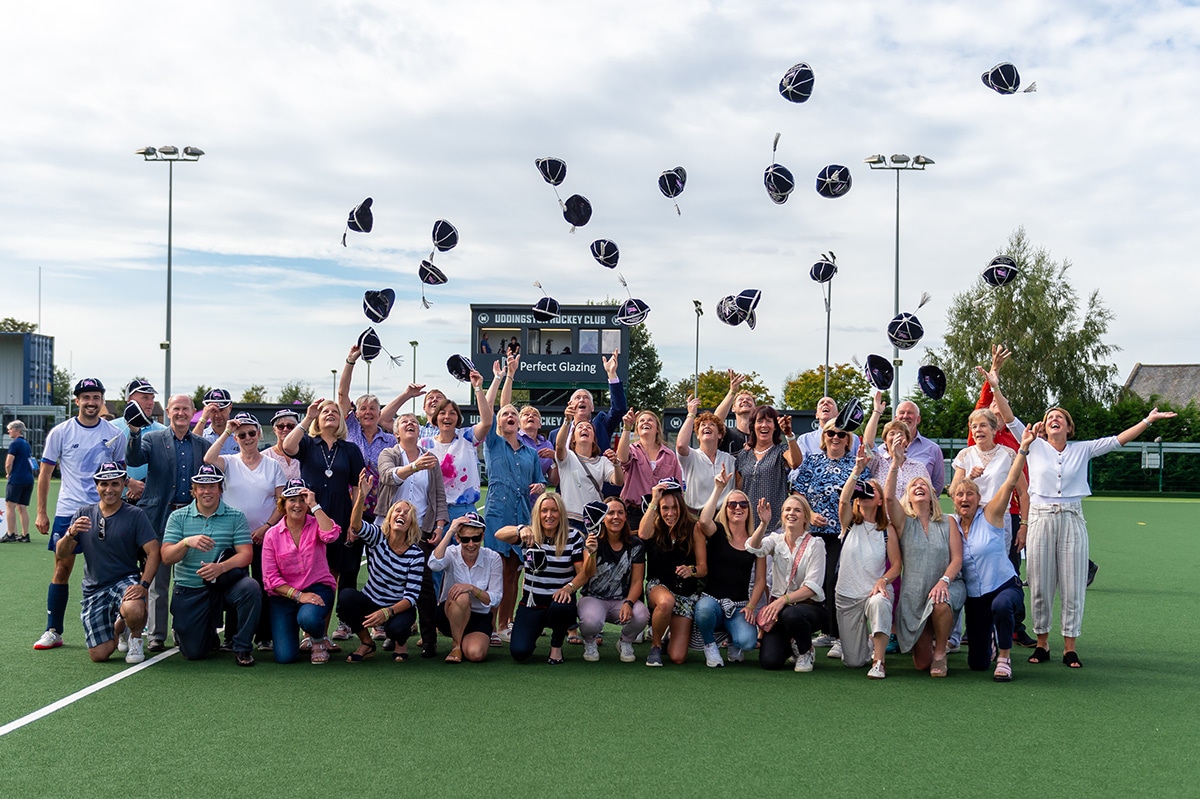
(349, 361)
(789, 438)
(388, 613)
(1147, 421)
(1024, 452)
(945, 579)
(1023, 523)
(316, 508)
(628, 602)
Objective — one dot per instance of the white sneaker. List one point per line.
(123, 641)
(823, 640)
(804, 662)
(712, 656)
(135, 653)
(835, 651)
(49, 640)
(377, 634)
(795, 654)
(735, 654)
(877, 672)
(591, 652)
(625, 651)
(343, 632)
(506, 634)
(640, 638)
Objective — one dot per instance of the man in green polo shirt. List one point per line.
(209, 545)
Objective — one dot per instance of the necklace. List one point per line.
(329, 459)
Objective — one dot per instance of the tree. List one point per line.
(1059, 352)
(198, 395)
(10, 325)
(801, 390)
(714, 385)
(647, 387)
(60, 392)
(254, 395)
(296, 392)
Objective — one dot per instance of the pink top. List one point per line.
(640, 477)
(284, 563)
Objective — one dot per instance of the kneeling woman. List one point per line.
(296, 573)
(472, 587)
(395, 566)
(553, 573)
(677, 556)
(615, 569)
(864, 597)
(797, 560)
(994, 592)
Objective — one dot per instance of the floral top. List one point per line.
(820, 479)
(460, 466)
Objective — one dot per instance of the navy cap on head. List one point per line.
(88, 384)
(577, 210)
(378, 304)
(460, 367)
(879, 372)
(632, 312)
(670, 484)
(109, 470)
(850, 416)
(779, 182)
(863, 489)
(823, 270)
(606, 253)
(360, 220)
(445, 236)
(553, 170)
(369, 344)
(246, 418)
(285, 413)
(1002, 78)
(796, 85)
(207, 473)
(833, 181)
(134, 416)
(1001, 271)
(932, 381)
(294, 487)
(473, 519)
(595, 512)
(138, 386)
(219, 397)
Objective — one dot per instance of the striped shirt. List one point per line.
(558, 571)
(391, 576)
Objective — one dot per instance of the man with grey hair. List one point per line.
(810, 442)
(18, 491)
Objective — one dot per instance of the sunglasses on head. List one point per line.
(737, 503)
(470, 539)
(837, 433)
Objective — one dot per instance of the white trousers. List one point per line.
(1056, 549)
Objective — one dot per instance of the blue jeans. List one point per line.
(289, 617)
(710, 617)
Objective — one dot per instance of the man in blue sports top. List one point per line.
(77, 447)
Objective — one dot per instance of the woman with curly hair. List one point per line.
(676, 557)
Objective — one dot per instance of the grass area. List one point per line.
(1125, 724)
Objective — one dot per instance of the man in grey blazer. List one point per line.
(173, 455)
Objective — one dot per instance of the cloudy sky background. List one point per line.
(439, 109)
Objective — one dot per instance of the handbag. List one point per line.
(759, 618)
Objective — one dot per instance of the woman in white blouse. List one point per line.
(472, 586)
(582, 468)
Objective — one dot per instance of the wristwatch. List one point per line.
(144, 584)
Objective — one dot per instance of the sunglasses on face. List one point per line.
(837, 434)
(470, 539)
(738, 503)
(285, 427)
(248, 434)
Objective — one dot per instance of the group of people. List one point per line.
(739, 537)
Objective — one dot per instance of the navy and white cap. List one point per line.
(671, 183)
(360, 220)
(1002, 78)
(606, 253)
(932, 381)
(139, 386)
(779, 183)
(134, 416)
(246, 418)
(535, 559)
(369, 344)
(553, 170)
(823, 270)
(796, 85)
(546, 309)
(863, 489)
(285, 413)
(879, 372)
(670, 484)
(473, 519)
(207, 473)
(850, 416)
(294, 487)
(833, 181)
(109, 470)
(632, 312)
(905, 329)
(445, 236)
(594, 512)
(729, 312)
(378, 304)
(577, 210)
(88, 384)
(460, 367)
(219, 397)
(1001, 271)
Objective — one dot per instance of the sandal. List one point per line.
(1041, 655)
(575, 639)
(358, 656)
(399, 657)
(320, 653)
(1071, 659)
(938, 667)
(455, 656)
(1003, 672)
(494, 640)
(555, 661)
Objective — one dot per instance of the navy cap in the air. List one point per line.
(577, 210)
(378, 304)
(632, 312)
(932, 381)
(729, 312)
(553, 170)
(672, 181)
(606, 253)
(361, 220)
(88, 384)
(747, 301)
(752, 320)
(207, 473)
(863, 489)
(460, 367)
(1001, 271)
(139, 386)
(797, 83)
(833, 181)
(1003, 78)
(219, 397)
(779, 182)
(134, 415)
(879, 372)
(369, 344)
(431, 275)
(823, 271)
(850, 416)
(109, 470)
(445, 235)
(905, 330)
(595, 511)
(546, 309)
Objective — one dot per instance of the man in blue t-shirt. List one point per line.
(19, 490)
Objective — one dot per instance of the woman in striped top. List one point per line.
(553, 573)
(395, 566)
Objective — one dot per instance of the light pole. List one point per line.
(169, 153)
(699, 313)
(899, 162)
(414, 344)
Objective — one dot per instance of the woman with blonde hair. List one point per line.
(395, 566)
(553, 555)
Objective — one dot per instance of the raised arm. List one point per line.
(213, 455)
(617, 404)
(484, 402)
(846, 500)
(878, 406)
(1125, 436)
(735, 383)
(291, 444)
(646, 528)
(895, 509)
(508, 371)
(684, 439)
(998, 505)
(708, 514)
(387, 414)
(993, 380)
(360, 498)
(343, 389)
(792, 454)
(623, 439)
(764, 521)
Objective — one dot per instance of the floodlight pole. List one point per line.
(414, 348)
(828, 317)
(699, 313)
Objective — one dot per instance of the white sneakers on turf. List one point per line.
(804, 662)
(823, 640)
(123, 641)
(712, 656)
(735, 654)
(134, 653)
(343, 632)
(591, 652)
(49, 640)
(506, 634)
(835, 651)
(625, 651)
(877, 671)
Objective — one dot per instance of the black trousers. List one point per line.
(833, 555)
(354, 607)
(795, 623)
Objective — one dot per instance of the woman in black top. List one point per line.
(676, 557)
(728, 602)
(614, 566)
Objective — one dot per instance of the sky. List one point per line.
(438, 110)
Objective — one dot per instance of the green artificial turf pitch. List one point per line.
(1126, 724)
